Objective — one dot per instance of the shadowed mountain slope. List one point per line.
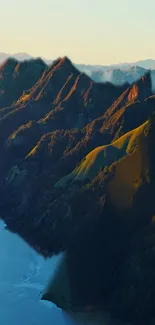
(77, 163)
(17, 77)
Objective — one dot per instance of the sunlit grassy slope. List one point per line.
(106, 155)
(130, 153)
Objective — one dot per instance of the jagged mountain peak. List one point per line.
(12, 64)
(59, 77)
(61, 62)
(144, 86)
(21, 67)
(17, 77)
(75, 165)
(145, 79)
(65, 59)
(9, 64)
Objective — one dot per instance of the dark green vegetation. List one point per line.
(57, 198)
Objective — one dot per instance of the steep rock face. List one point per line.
(50, 160)
(48, 156)
(77, 163)
(62, 98)
(115, 269)
(58, 153)
(17, 77)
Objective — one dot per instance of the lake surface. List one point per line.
(23, 277)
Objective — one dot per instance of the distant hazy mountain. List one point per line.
(17, 56)
(20, 57)
(116, 76)
(3, 57)
(146, 64)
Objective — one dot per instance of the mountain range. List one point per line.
(148, 64)
(77, 175)
(118, 74)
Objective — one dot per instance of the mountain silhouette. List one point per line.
(114, 73)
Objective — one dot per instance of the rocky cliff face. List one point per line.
(77, 163)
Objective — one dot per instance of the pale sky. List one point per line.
(87, 31)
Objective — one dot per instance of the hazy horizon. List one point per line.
(82, 63)
(121, 30)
